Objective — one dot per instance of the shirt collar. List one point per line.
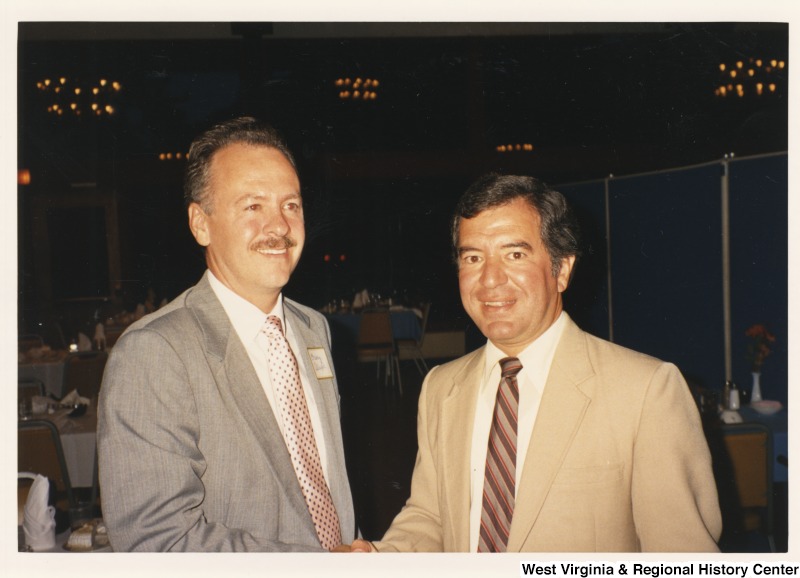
(537, 354)
(247, 319)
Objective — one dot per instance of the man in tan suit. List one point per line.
(588, 447)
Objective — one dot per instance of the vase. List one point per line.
(755, 393)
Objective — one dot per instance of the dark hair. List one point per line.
(245, 130)
(560, 231)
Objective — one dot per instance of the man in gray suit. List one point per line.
(199, 449)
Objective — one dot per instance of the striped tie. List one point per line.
(501, 462)
(299, 434)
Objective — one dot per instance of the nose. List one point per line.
(275, 223)
(493, 273)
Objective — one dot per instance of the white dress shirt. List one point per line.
(536, 360)
(248, 322)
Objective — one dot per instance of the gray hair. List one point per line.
(246, 130)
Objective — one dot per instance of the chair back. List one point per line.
(39, 451)
(748, 476)
(375, 332)
(84, 372)
(30, 386)
(423, 326)
(27, 387)
(749, 449)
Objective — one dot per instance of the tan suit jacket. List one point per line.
(617, 460)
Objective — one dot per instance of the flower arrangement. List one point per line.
(758, 346)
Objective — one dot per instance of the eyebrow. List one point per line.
(249, 197)
(518, 245)
(514, 245)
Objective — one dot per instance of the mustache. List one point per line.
(284, 242)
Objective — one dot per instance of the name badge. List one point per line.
(320, 363)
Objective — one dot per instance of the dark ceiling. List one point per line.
(592, 98)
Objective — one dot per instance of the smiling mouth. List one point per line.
(497, 303)
(272, 251)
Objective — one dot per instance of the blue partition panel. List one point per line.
(759, 263)
(666, 282)
(586, 299)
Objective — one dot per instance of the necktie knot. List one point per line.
(273, 326)
(510, 366)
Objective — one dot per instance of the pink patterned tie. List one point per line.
(501, 462)
(299, 434)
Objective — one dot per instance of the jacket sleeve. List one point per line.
(674, 496)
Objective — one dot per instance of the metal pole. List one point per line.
(608, 260)
(726, 265)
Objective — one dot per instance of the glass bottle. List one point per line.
(734, 399)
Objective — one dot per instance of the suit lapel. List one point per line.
(458, 413)
(240, 387)
(562, 408)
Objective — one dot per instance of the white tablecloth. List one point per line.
(50, 372)
(79, 451)
(78, 438)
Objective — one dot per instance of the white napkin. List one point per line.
(100, 336)
(730, 416)
(38, 519)
(73, 398)
(84, 343)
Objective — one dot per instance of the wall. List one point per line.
(655, 275)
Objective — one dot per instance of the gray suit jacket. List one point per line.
(190, 455)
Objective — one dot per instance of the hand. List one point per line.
(362, 546)
(356, 546)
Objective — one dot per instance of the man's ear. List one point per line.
(198, 223)
(565, 273)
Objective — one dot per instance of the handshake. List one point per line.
(357, 546)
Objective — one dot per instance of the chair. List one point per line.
(744, 479)
(412, 348)
(94, 505)
(39, 451)
(27, 388)
(84, 371)
(376, 343)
